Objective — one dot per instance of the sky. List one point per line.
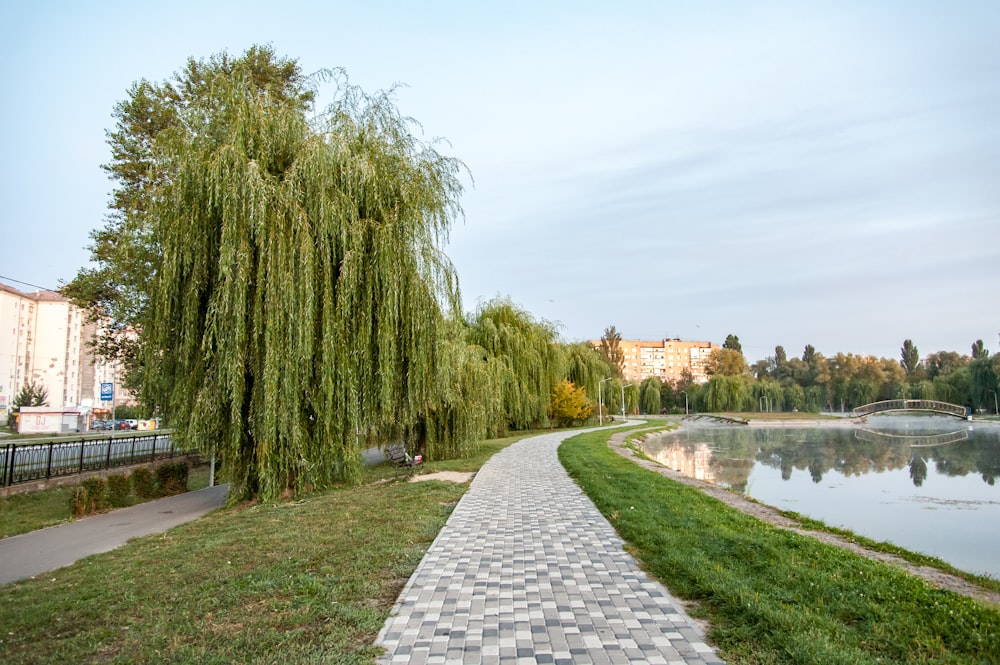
(790, 173)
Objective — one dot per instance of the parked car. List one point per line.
(124, 424)
(101, 425)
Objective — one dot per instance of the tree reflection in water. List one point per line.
(916, 482)
(726, 455)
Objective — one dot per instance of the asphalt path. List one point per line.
(37, 552)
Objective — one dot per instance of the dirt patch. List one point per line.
(771, 515)
(450, 476)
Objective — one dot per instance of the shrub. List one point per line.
(97, 494)
(172, 478)
(78, 501)
(119, 491)
(144, 483)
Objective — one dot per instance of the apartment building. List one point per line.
(665, 359)
(46, 339)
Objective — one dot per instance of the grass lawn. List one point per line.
(308, 581)
(773, 596)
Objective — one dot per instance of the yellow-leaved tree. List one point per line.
(569, 404)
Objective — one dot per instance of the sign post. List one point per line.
(108, 395)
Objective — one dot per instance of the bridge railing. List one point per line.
(911, 405)
(66, 456)
(913, 440)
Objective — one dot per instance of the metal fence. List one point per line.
(66, 456)
(911, 405)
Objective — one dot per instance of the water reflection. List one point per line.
(727, 455)
(927, 484)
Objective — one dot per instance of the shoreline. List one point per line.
(772, 515)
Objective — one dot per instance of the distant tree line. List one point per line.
(816, 383)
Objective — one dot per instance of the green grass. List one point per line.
(21, 513)
(307, 581)
(773, 596)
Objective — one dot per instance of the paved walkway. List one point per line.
(40, 551)
(528, 571)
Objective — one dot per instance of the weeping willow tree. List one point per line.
(467, 408)
(726, 392)
(586, 366)
(297, 308)
(529, 359)
(649, 395)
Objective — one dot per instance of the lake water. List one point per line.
(928, 484)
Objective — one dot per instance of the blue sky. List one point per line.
(792, 173)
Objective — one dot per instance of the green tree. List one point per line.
(296, 305)
(909, 358)
(943, 363)
(768, 395)
(982, 383)
(733, 342)
(611, 348)
(668, 396)
(979, 351)
(728, 362)
(467, 407)
(649, 395)
(127, 251)
(727, 392)
(586, 366)
(527, 356)
(32, 393)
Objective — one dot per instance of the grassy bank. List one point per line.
(773, 596)
(307, 581)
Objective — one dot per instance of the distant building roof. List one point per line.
(42, 295)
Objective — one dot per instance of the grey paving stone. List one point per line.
(528, 571)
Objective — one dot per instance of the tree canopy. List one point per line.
(32, 393)
(611, 349)
(527, 355)
(909, 357)
(286, 269)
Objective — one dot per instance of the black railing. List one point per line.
(66, 456)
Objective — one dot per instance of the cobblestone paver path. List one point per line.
(528, 571)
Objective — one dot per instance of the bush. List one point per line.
(144, 483)
(119, 491)
(97, 495)
(78, 501)
(172, 478)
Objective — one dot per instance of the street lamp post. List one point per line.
(600, 401)
(623, 398)
(685, 402)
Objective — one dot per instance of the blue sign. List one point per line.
(107, 392)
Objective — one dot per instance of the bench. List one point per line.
(399, 458)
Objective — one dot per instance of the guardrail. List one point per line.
(67, 456)
(946, 408)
